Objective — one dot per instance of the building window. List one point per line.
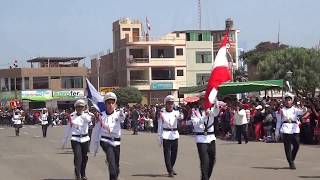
(26, 83)
(40, 83)
(177, 34)
(163, 73)
(55, 77)
(180, 72)
(72, 82)
(179, 51)
(13, 83)
(188, 36)
(202, 78)
(18, 83)
(126, 29)
(203, 57)
(5, 86)
(200, 37)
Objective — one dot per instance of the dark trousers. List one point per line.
(135, 124)
(207, 155)
(44, 130)
(241, 130)
(17, 130)
(113, 157)
(80, 151)
(170, 149)
(289, 141)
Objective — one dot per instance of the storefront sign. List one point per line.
(36, 95)
(104, 90)
(161, 85)
(68, 94)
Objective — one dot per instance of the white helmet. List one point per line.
(80, 102)
(168, 98)
(288, 94)
(110, 95)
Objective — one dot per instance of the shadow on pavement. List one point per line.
(67, 152)
(273, 168)
(307, 177)
(57, 179)
(151, 175)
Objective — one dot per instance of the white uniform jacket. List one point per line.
(168, 124)
(108, 129)
(203, 124)
(16, 119)
(289, 120)
(77, 128)
(44, 119)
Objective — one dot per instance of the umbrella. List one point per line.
(191, 99)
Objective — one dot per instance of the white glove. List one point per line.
(160, 141)
(277, 135)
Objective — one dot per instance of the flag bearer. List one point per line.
(78, 129)
(107, 133)
(203, 128)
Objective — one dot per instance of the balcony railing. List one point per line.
(139, 82)
(138, 60)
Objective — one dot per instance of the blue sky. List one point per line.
(30, 28)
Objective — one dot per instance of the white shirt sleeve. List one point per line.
(160, 121)
(95, 137)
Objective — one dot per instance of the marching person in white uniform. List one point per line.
(44, 122)
(78, 129)
(17, 121)
(290, 128)
(107, 133)
(203, 129)
(168, 133)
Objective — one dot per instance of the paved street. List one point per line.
(30, 157)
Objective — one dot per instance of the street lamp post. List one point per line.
(289, 76)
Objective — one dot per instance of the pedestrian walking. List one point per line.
(290, 128)
(78, 129)
(107, 133)
(17, 121)
(168, 133)
(241, 123)
(203, 128)
(44, 121)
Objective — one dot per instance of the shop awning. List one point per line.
(237, 87)
(37, 98)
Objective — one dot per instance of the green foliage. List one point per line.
(128, 95)
(304, 63)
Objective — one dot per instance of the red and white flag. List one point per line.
(219, 74)
(148, 24)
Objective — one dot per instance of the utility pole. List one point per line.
(199, 13)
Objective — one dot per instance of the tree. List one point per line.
(128, 95)
(304, 63)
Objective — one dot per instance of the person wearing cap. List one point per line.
(241, 123)
(107, 133)
(203, 128)
(258, 123)
(44, 121)
(168, 133)
(290, 128)
(17, 121)
(78, 129)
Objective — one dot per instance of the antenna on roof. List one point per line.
(199, 14)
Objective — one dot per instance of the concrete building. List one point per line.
(155, 65)
(158, 66)
(52, 82)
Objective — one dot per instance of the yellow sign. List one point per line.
(104, 90)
